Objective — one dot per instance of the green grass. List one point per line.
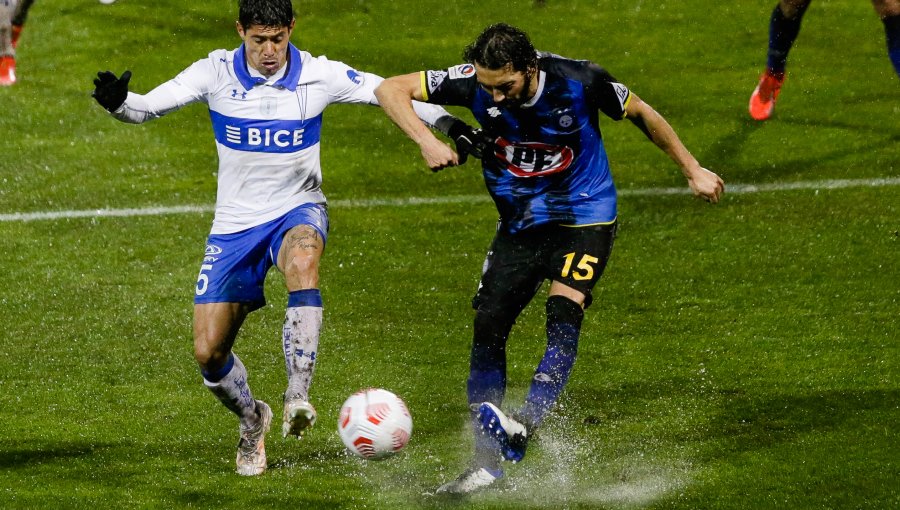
(737, 356)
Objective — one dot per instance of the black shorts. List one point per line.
(517, 264)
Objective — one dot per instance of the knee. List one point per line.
(792, 8)
(562, 309)
(209, 351)
(302, 263)
(564, 318)
(207, 357)
(301, 271)
(886, 8)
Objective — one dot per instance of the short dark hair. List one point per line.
(500, 45)
(266, 13)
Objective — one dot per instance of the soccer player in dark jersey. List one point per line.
(546, 168)
(784, 26)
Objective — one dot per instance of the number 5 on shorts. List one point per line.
(587, 270)
(203, 279)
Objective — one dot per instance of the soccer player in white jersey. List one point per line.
(265, 100)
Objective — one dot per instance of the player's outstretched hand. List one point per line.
(468, 141)
(111, 91)
(707, 185)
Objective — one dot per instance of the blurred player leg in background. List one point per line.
(889, 12)
(783, 29)
(7, 49)
(18, 20)
(784, 25)
(12, 17)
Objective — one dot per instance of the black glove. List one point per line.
(110, 91)
(468, 140)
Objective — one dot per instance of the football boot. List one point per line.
(7, 70)
(510, 435)
(299, 415)
(762, 101)
(251, 452)
(470, 481)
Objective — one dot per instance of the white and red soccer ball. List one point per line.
(374, 424)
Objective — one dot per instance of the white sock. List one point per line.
(234, 392)
(301, 341)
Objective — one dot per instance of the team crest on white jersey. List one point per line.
(268, 107)
(533, 159)
(461, 71)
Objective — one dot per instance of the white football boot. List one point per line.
(251, 453)
(470, 481)
(299, 415)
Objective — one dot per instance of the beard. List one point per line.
(522, 99)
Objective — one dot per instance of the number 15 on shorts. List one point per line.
(584, 269)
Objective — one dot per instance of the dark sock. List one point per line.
(892, 32)
(782, 33)
(564, 318)
(487, 378)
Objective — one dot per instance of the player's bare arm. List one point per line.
(395, 96)
(704, 183)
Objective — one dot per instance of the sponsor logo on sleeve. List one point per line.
(621, 93)
(434, 79)
(355, 77)
(461, 71)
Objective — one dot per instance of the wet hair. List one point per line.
(266, 13)
(500, 45)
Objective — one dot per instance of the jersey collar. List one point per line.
(542, 80)
(289, 80)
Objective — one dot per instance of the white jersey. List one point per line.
(267, 130)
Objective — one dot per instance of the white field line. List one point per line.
(454, 199)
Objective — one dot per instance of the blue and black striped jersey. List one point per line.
(550, 165)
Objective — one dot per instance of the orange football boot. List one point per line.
(7, 70)
(762, 101)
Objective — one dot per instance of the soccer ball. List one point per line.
(374, 424)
